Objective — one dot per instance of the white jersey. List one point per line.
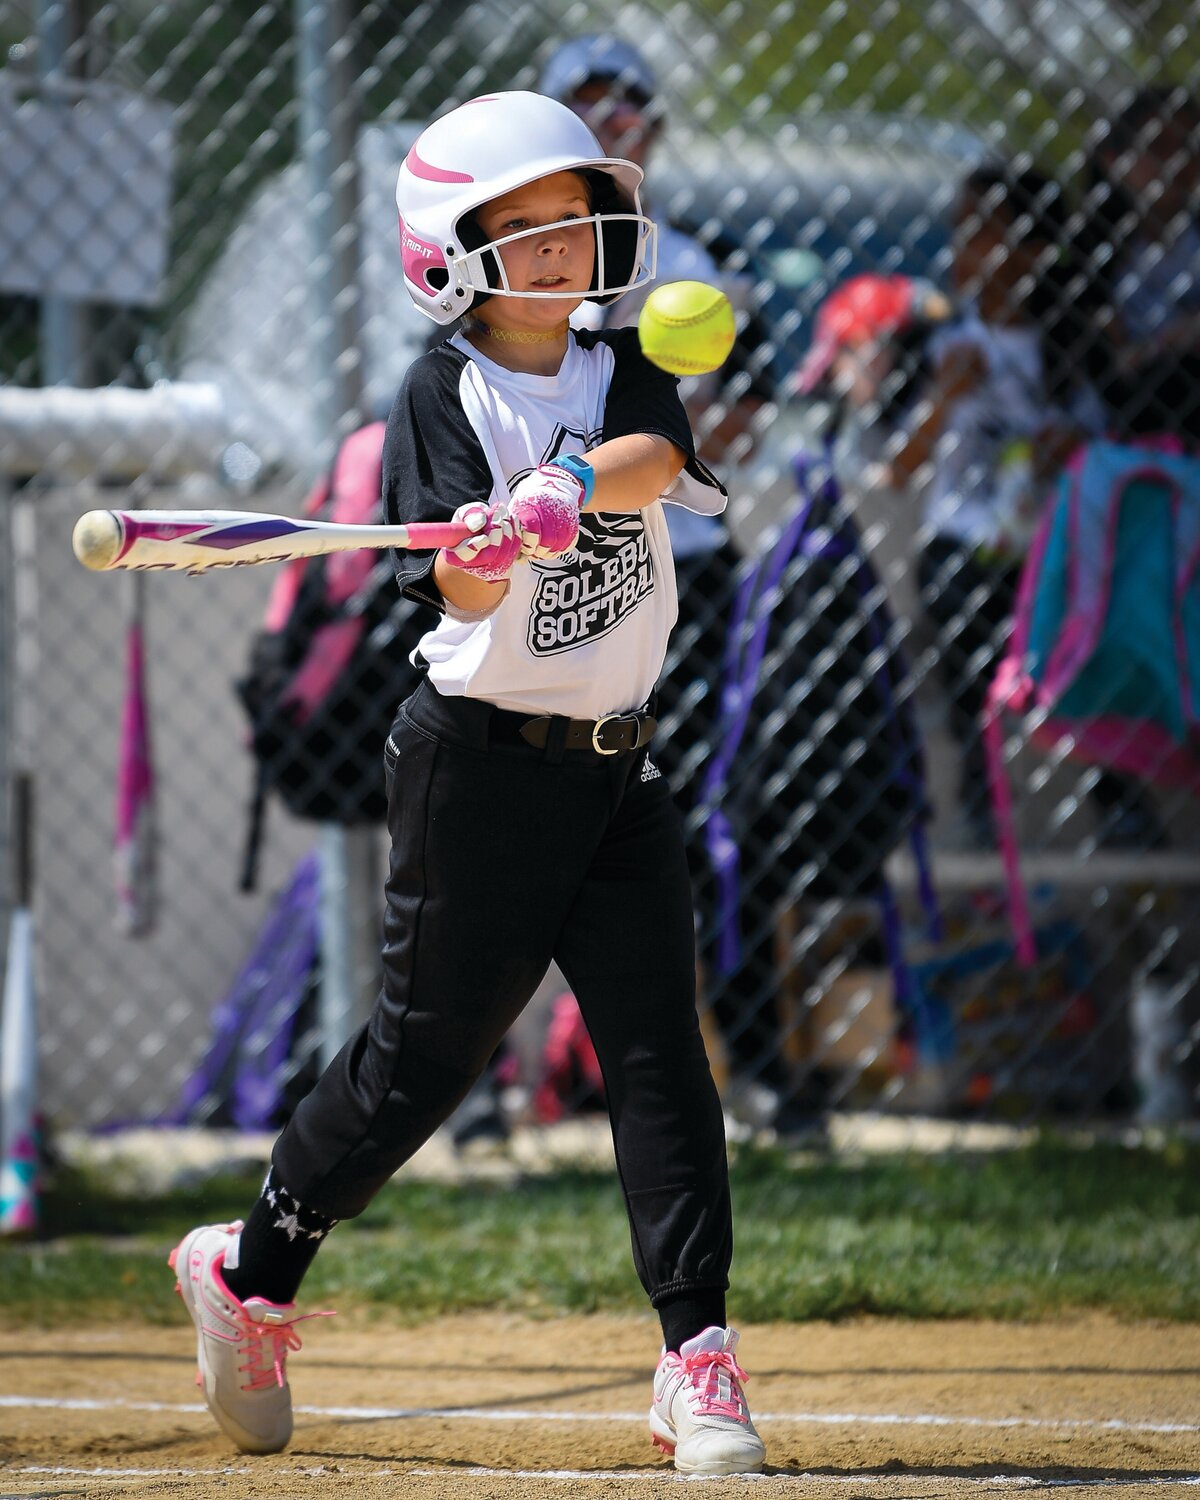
(983, 490)
(584, 634)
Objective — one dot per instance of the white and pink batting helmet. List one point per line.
(484, 149)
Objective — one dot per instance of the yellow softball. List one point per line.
(687, 327)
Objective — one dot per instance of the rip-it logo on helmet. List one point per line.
(419, 258)
(510, 139)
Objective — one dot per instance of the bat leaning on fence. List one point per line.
(196, 541)
(18, 1031)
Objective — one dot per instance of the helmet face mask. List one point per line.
(478, 270)
(483, 150)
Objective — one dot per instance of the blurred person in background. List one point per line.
(1142, 236)
(1014, 390)
(869, 362)
(611, 86)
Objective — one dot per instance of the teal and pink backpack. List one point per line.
(1104, 657)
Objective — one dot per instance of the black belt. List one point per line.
(611, 734)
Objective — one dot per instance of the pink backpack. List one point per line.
(570, 1078)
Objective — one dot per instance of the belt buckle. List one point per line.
(597, 727)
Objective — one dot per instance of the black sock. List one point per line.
(683, 1317)
(277, 1246)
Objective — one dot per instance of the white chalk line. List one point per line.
(516, 1414)
(1016, 1481)
(1013, 1481)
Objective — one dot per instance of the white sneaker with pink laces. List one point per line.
(241, 1347)
(699, 1413)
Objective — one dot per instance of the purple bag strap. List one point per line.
(253, 1024)
(756, 600)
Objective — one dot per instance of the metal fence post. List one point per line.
(328, 144)
(64, 321)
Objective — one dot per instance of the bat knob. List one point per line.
(97, 539)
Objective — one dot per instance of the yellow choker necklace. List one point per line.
(518, 335)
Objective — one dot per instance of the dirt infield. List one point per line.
(496, 1408)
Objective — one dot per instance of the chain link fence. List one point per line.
(968, 222)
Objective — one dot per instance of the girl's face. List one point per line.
(560, 259)
(992, 262)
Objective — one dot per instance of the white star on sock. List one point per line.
(289, 1223)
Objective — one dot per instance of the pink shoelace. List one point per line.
(704, 1372)
(284, 1339)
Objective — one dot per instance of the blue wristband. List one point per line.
(581, 469)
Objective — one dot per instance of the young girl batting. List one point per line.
(528, 822)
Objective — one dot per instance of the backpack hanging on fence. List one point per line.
(569, 1080)
(1105, 647)
(330, 664)
(251, 1076)
(825, 737)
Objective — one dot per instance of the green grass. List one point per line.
(1044, 1231)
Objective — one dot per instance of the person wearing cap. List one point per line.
(869, 359)
(853, 325)
(613, 88)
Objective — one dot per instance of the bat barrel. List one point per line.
(197, 541)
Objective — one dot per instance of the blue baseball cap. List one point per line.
(588, 58)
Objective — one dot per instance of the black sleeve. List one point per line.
(433, 461)
(643, 398)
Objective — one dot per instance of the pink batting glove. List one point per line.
(545, 506)
(495, 547)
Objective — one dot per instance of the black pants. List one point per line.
(505, 858)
